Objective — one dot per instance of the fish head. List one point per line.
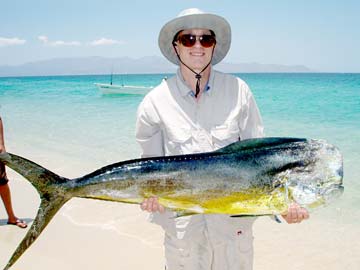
(318, 179)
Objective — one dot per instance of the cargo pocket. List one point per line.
(235, 252)
(177, 254)
(242, 253)
(245, 240)
(241, 232)
(225, 134)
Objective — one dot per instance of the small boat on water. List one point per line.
(106, 88)
(110, 88)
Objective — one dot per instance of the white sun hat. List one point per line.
(196, 18)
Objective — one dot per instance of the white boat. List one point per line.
(106, 88)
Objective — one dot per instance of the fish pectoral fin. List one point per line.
(242, 216)
(252, 215)
(184, 213)
(111, 199)
(274, 217)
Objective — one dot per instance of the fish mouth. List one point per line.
(340, 172)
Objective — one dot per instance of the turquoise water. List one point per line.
(66, 118)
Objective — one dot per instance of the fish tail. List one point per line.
(52, 196)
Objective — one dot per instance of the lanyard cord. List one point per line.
(197, 75)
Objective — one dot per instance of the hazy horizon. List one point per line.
(126, 65)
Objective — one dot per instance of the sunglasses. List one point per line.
(188, 40)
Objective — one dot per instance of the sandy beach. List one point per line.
(90, 234)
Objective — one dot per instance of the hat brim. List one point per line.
(217, 24)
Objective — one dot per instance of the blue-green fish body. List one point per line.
(252, 177)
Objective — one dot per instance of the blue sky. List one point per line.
(322, 35)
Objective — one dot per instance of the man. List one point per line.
(200, 110)
(4, 187)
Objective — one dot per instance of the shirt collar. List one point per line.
(186, 90)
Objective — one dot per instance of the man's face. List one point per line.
(196, 56)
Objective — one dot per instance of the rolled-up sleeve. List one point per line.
(250, 122)
(148, 132)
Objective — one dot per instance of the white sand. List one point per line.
(91, 234)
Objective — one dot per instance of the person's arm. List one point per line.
(147, 131)
(150, 139)
(2, 139)
(250, 122)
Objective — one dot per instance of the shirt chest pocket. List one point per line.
(178, 134)
(179, 138)
(225, 134)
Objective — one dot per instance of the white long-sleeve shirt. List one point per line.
(170, 121)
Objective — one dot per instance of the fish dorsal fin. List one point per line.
(257, 143)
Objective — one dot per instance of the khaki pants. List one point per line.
(211, 242)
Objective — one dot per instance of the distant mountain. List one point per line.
(126, 65)
(260, 68)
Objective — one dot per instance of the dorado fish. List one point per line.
(248, 178)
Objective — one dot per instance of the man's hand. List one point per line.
(295, 214)
(152, 205)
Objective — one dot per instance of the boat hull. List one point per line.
(122, 89)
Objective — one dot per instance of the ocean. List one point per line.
(66, 118)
